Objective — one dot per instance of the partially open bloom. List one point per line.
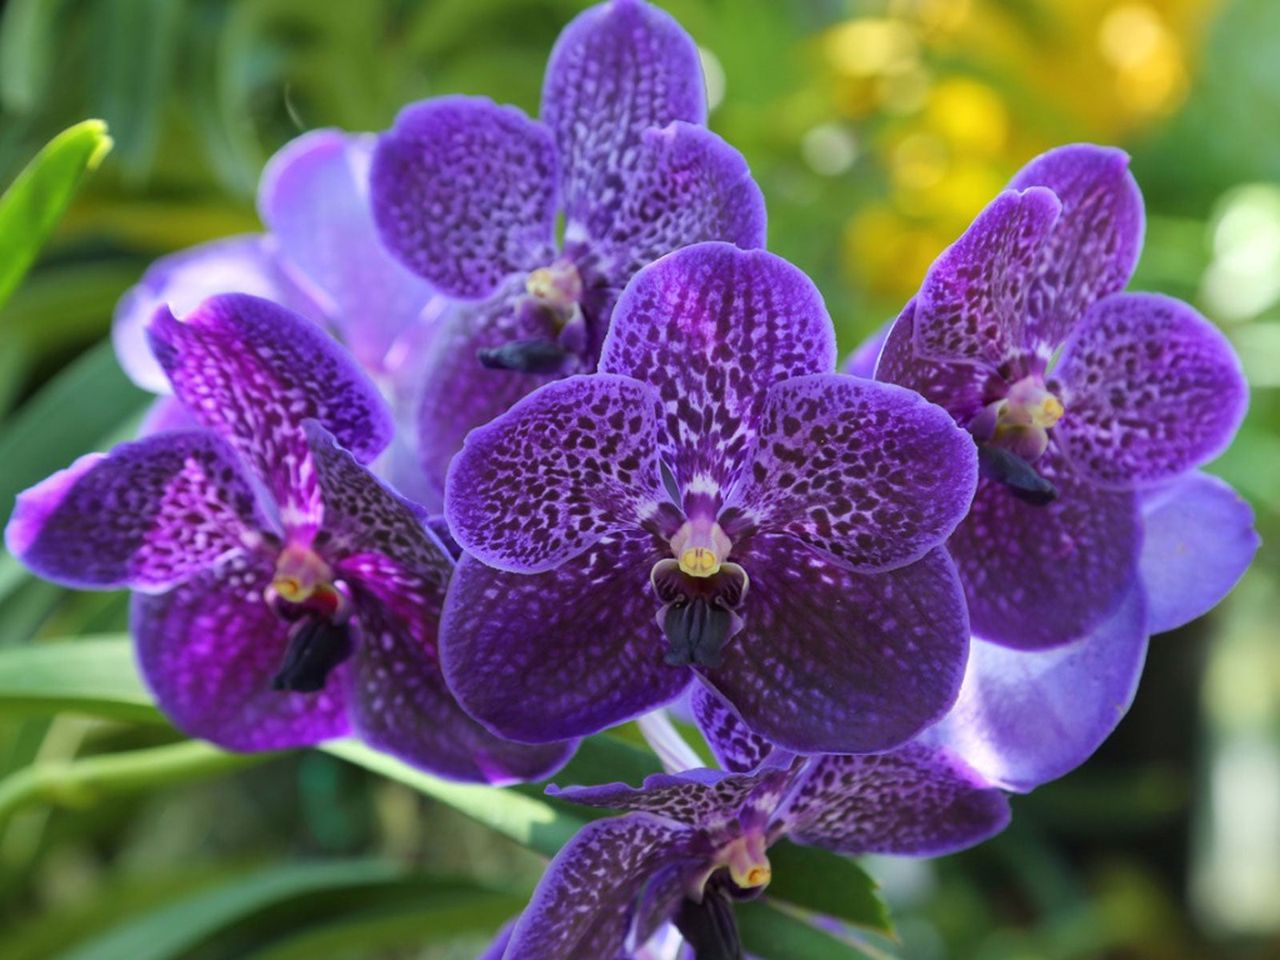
(716, 501)
(1076, 394)
(467, 193)
(692, 844)
(283, 596)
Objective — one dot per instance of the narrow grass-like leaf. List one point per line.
(92, 675)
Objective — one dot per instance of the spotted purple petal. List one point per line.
(1199, 540)
(835, 661)
(253, 371)
(1095, 243)
(1151, 389)
(973, 303)
(871, 474)
(957, 387)
(1025, 717)
(584, 906)
(208, 650)
(736, 748)
(464, 193)
(541, 657)
(914, 801)
(146, 515)
(565, 466)
(314, 197)
(713, 327)
(1040, 576)
(618, 69)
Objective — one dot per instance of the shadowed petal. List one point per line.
(209, 648)
(973, 303)
(1025, 717)
(871, 474)
(464, 193)
(1199, 540)
(253, 371)
(565, 466)
(1039, 576)
(862, 362)
(1095, 243)
(617, 69)
(957, 387)
(166, 414)
(498, 948)
(314, 197)
(146, 515)
(914, 801)
(541, 657)
(584, 906)
(713, 327)
(1151, 388)
(832, 661)
(736, 748)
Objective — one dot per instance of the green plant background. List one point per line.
(119, 840)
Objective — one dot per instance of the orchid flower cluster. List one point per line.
(438, 475)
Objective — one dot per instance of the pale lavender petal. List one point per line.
(713, 327)
(1152, 389)
(464, 193)
(244, 264)
(564, 467)
(914, 801)
(617, 70)
(1199, 539)
(960, 388)
(832, 661)
(541, 657)
(1025, 717)
(585, 904)
(253, 371)
(314, 197)
(688, 186)
(735, 746)
(872, 474)
(862, 362)
(1094, 246)
(1040, 576)
(973, 303)
(166, 415)
(208, 650)
(146, 515)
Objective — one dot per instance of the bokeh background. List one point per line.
(877, 130)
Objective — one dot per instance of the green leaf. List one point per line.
(778, 934)
(93, 675)
(35, 202)
(827, 883)
(28, 31)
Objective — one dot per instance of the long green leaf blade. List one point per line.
(92, 675)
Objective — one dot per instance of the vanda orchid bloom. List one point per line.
(467, 193)
(282, 595)
(715, 501)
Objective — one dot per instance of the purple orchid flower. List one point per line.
(467, 192)
(282, 595)
(692, 844)
(717, 477)
(1077, 395)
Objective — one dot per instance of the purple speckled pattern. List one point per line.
(712, 328)
(1152, 389)
(834, 661)
(959, 388)
(869, 473)
(735, 747)
(252, 372)
(570, 463)
(466, 193)
(147, 515)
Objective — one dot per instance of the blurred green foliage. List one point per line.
(876, 129)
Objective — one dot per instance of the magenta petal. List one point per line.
(209, 648)
(1152, 389)
(564, 467)
(735, 746)
(1093, 247)
(464, 193)
(871, 474)
(146, 515)
(1040, 576)
(618, 69)
(832, 661)
(549, 656)
(1025, 717)
(1199, 540)
(914, 801)
(712, 328)
(960, 388)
